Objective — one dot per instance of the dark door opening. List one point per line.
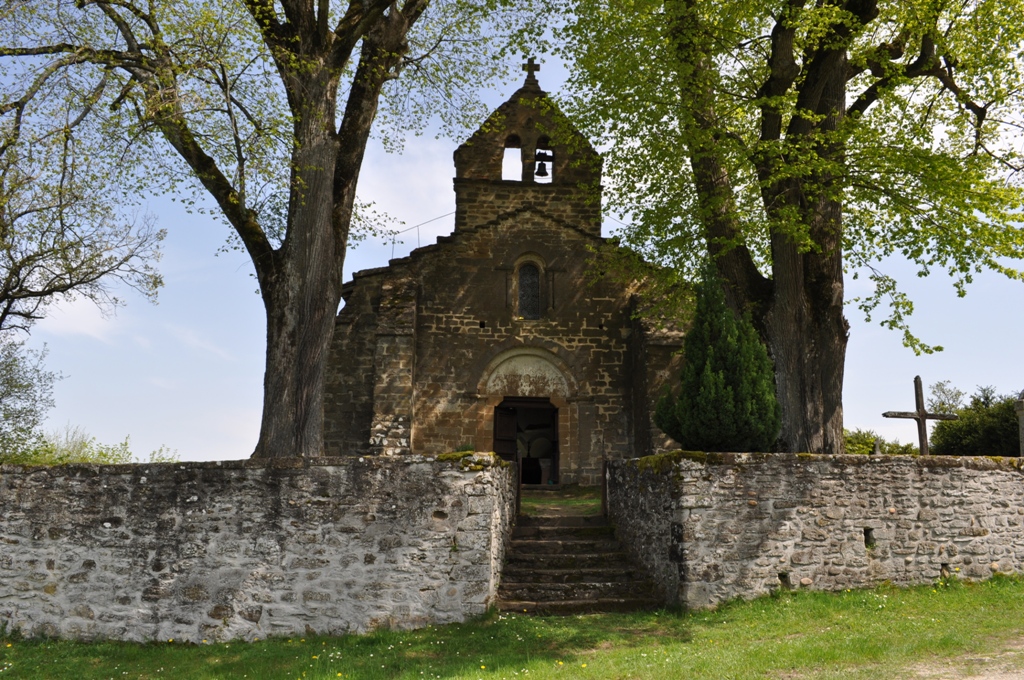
(526, 431)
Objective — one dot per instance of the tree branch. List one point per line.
(783, 70)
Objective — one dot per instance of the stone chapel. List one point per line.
(499, 337)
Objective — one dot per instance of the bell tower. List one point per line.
(561, 172)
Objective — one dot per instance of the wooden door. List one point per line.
(505, 432)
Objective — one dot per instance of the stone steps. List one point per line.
(561, 546)
(564, 533)
(570, 565)
(520, 573)
(569, 607)
(562, 592)
(565, 561)
(561, 521)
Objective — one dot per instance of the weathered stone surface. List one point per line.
(835, 521)
(247, 549)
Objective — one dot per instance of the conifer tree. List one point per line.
(727, 397)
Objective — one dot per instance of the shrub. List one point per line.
(726, 400)
(862, 442)
(74, 445)
(988, 426)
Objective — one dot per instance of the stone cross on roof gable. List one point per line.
(920, 415)
(531, 67)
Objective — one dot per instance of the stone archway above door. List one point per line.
(527, 372)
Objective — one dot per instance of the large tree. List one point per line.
(268, 105)
(796, 140)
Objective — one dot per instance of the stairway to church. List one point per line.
(570, 564)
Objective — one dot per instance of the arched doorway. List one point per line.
(526, 431)
(525, 395)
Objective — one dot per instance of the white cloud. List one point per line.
(164, 383)
(191, 338)
(81, 317)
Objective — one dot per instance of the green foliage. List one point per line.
(266, 108)
(26, 394)
(727, 399)
(862, 443)
(924, 162)
(988, 426)
(74, 445)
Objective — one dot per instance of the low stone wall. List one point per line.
(250, 549)
(713, 527)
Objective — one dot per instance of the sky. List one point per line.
(186, 373)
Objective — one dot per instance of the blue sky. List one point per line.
(187, 372)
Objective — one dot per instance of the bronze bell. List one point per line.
(542, 158)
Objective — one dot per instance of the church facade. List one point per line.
(500, 337)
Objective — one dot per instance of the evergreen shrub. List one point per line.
(726, 400)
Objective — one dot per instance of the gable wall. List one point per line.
(482, 201)
(462, 282)
(473, 283)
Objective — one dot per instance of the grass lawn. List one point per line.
(877, 633)
(569, 500)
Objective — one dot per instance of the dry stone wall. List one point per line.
(246, 549)
(713, 527)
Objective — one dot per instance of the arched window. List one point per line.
(512, 160)
(529, 291)
(545, 158)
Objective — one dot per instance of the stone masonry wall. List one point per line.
(712, 527)
(467, 317)
(246, 549)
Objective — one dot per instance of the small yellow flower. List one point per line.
(171, 640)
(583, 665)
(8, 644)
(483, 666)
(560, 663)
(315, 656)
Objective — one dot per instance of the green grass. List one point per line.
(861, 634)
(570, 499)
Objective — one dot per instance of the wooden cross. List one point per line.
(530, 67)
(920, 415)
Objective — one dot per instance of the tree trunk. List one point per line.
(302, 289)
(806, 337)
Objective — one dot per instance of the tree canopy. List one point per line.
(266, 108)
(798, 141)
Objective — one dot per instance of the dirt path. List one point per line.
(1007, 664)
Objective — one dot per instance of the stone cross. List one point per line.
(920, 415)
(530, 67)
